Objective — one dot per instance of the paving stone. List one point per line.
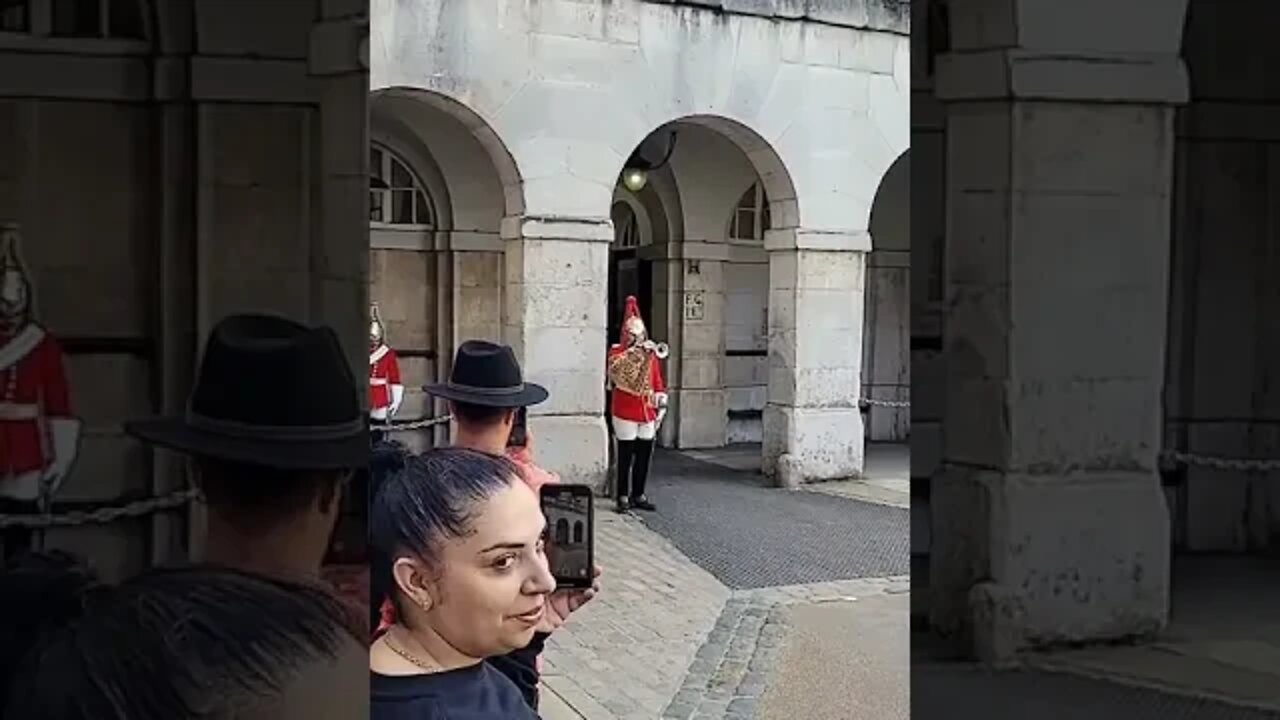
(742, 708)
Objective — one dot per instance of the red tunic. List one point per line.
(33, 391)
(384, 371)
(624, 405)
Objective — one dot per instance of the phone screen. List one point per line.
(518, 436)
(570, 536)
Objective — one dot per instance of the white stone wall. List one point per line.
(563, 92)
(162, 185)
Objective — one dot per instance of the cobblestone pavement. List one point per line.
(623, 655)
(752, 536)
(730, 672)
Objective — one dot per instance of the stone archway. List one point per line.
(439, 280)
(801, 356)
(886, 349)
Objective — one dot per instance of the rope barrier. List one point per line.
(887, 403)
(102, 515)
(147, 506)
(1220, 463)
(411, 425)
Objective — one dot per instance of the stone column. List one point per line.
(340, 231)
(812, 425)
(477, 285)
(554, 317)
(664, 326)
(1049, 523)
(700, 306)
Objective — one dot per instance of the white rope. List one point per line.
(414, 425)
(1219, 462)
(102, 515)
(888, 403)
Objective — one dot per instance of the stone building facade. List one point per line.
(1099, 181)
(170, 163)
(768, 246)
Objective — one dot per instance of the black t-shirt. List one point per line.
(478, 692)
(521, 668)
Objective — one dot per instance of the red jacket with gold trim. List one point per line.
(33, 391)
(624, 405)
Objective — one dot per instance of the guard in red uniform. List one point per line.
(39, 437)
(637, 405)
(386, 392)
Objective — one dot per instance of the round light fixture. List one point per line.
(635, 179)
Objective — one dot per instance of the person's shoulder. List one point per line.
(325, 688)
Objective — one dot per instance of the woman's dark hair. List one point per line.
(170, 643)
(385, 460)
(433, 496)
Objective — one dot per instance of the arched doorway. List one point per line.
(886, 346)
(437, 199)
(721, 190)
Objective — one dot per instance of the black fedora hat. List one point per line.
(486, 373)
(270, 392)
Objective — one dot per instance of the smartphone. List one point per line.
(570, 538)
(519, 436)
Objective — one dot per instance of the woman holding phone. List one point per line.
(459, 537)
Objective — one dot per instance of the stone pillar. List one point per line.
(812, 425)
(886, 354)
(554, 317)
(1049, 523)
(340, 230)
(477, 285)
(664, 326)
(700, 306)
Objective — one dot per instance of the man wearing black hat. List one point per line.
(274, 428)
(484, 391)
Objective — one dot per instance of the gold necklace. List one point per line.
(430, 667)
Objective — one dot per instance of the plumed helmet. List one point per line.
(377, 331)
(15, 283)
(632, 323)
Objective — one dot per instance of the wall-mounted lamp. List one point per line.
(634, 178)
(635, 174)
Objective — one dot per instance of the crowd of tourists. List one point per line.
(461, 599)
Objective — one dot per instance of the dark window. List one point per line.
(124, 19)
(15, 16)
(77, 18)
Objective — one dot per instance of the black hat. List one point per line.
(485, 373)
(271, 392)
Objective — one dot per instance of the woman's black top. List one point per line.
(521, 668)
(478, 692)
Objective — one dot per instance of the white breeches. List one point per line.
(625, 430)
